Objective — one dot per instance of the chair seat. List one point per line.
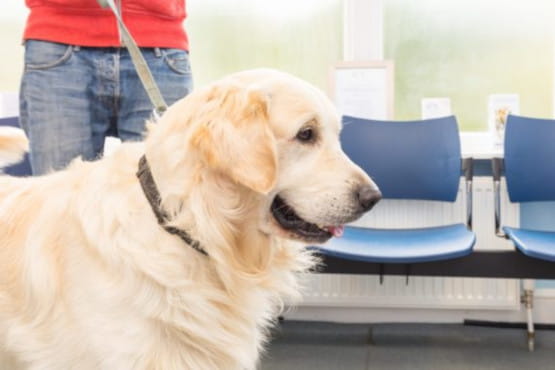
(401, 245)
(533, 243)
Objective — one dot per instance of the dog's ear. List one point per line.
(234, 136)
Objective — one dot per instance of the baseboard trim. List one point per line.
(543, 313)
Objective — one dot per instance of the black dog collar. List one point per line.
(153, 196)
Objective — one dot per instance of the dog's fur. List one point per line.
(89, 280)
(13, 145)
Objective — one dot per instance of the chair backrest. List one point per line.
(529, 158)
(409, 159)
(22, 168)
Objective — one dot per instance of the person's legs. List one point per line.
(171, 71)
(60, 109)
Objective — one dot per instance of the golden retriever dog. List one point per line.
(177, 252)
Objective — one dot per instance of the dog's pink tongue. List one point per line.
(336, 231)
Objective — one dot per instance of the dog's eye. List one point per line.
(306, 134)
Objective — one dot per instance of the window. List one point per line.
(303, 37)
(467, 50)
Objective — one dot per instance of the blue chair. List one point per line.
(529, 166)
(418, 160)
(22, 168)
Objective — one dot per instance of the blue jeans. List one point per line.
(73, 97)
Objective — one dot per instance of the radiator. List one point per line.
(426, 292)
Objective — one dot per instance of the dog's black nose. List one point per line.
(368, 196)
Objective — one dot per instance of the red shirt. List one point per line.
(152, 23)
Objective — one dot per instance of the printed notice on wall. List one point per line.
(499, 107)
(435, 107)
(364, 91)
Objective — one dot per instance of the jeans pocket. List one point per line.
(45, 55)
(177, 60)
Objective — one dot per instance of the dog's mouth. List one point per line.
(288, 219)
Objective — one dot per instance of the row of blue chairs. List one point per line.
(421, 160)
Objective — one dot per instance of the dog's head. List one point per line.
(276, 137)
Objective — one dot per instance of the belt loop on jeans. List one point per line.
(76, 48)
(157, 52)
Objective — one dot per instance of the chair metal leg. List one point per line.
(528, 300)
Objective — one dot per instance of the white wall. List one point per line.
(12, 22)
